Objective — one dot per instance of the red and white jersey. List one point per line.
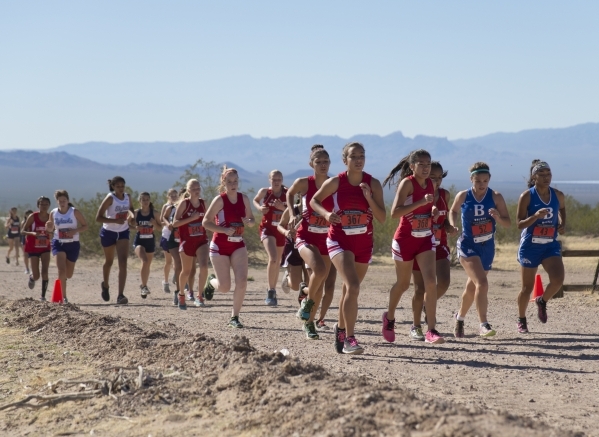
(352, 207)
(417, 223)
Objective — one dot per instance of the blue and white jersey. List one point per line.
(477, 224)
(542, 231)
(118, 210)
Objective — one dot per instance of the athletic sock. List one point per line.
(483, 324)
(44, 287)
(461, 319)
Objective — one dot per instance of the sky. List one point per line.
(73, 71)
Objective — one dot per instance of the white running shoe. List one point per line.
(285, 283)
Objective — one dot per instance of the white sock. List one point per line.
(461, 319)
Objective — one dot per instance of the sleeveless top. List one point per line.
(273, 216)
(145, 229)
(439, 224)
(312, 222)
(477, 225)
(544, 230)
(40, 242)
(166, 232)
(352, 207)
(231, 216)
(193, 230)
(417, 223)
(14, 226)
(65, 222)
(118, 209)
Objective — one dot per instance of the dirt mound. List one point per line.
(228, 388)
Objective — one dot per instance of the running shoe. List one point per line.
(301, 296)
(433, 336)
(190, 296)
(176, 298)
(122, 300)
(351, 346)
(310, 331)
(285, 283)
(486, 330)
(105, 293)
(199, 302)
(27, 272)
(321, 325)
(235, 323)
(144, 291)
(541, 309)
(522, 326)
(182, 304)
(174, 278)
(388, 329)
(43, 299)
(339, 338)
(271, 298)
(31, 283)
(65, 301)
(458, 331)
(7, 260)
(208, 288)
(305, 309)
(166, 287)
(416, 333)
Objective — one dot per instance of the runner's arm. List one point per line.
(454, 212)
(327, 189)
(299, 186)
(249, 215)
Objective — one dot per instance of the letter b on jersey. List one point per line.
(479, 210)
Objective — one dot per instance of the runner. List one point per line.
(311, 239)
(13, 226)
(66, 223)
(114, 214)
(227, 216)
(272, 202)
(24, 240)
(194, 243)
(144, 221)
(167, 227)
(358, 197)
(441, 228)
(481, 209)
(413, 240)
(291, 259)
(541, 216)
(37, 244)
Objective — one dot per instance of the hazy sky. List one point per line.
(76, 71)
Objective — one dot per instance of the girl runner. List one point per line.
(481, 208)
(311, 239)
(441, 229)
(291, 259)
(194, 243)
(37, 244)
(272, 202)
(357, 197)
(413, 240)
(24, 240)
(227, 216)
(13, 226)
(167, 227)
(66, 223)
(144, 245)
(114, 214)
(541, 216)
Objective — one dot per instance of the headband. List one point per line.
(479, 170)
(540, 166)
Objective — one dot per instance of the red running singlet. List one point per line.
(313, 228)
(41, 242)
(270, 220)
(231, 215)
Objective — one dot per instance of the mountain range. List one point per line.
(572, 152)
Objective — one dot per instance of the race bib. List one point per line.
(146, 231)
(543, 234)
(318, 224)
(482, 231)
(176, 237)
(41, 240)
(354, 222)
(196, 230)
(438, 234)
(276, 217)
(421, 225)
(63, 236)
(123, 215)
(14, 229)
(237, 237)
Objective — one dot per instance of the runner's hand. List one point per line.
(333, 218)
(279, 205)
(264, 209)
(435, 213)
(229, 231)
(428, 198)
(494, 213)
(366, 190)
(542, 213)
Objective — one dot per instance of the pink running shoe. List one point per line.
(432, 336)
(388, 330)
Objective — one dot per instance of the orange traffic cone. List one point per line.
(57, 292)
(538, 290)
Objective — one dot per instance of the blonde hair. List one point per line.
(226, 171)
(275, 172)
(191, 182)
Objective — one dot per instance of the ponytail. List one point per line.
(403, 166)
(115, 180)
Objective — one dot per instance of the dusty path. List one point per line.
(550, 375)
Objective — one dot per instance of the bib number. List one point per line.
(237, 237)
(122, 215)
(176, 236)
(14, 229)
(421, 226)
(354, 222)
(41, 240)
(318, 224)
(438, 234)
(63, 236)
(196, 230)
(482, 231)
(146, 231)
(276, 217)
(543, 234)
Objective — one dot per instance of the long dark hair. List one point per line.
(403, 166)
(437, 166)
(115, 180)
